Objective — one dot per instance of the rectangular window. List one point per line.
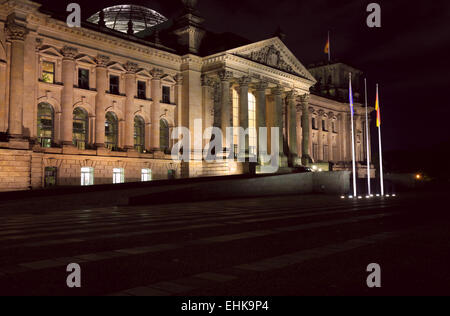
(313, 123)
(83, 78)
(324, 126)
(118, 176)
(50, 177)
(87, 176)
(325, 153)
(48, 72)
(334, 127)
(142, 90)
(316, 152)
(166, 95)
(146, 175)
(114, 84)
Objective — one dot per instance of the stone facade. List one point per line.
(73, 98)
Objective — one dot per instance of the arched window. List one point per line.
(45, 125)
(111, 131)
(139, 134)
(80, 128)
(253, 141)
(164, 135)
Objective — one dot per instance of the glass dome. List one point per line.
(118, 17)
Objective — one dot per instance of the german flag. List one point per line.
(377, 108)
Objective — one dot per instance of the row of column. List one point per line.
(263, 113)
(16, 35)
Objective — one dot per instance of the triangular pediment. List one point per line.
(50, 51)
(86, 60)
(144, 73)
(116, 67)
(275, 54)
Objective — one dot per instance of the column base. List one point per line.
(18, 142)
(306, 160)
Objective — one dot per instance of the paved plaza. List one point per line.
(289, 245)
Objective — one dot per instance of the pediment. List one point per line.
(50, 51)
(275, 54)
(116, 67)
(86, 59)
(168, 79)
(144, 73)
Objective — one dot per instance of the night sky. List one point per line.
(408, 56)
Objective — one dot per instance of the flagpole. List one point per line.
(381, 148)
(369, 189)
(329, 48)
(353, 138)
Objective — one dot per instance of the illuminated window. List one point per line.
(253, 142)
(164, 134)
(80, 128)
(146, 175)
(87, 176)
(50, 177)
(48, 72)
(118, 175)
(83, 78)
(45, 125)
(139, 134)
(111, 131)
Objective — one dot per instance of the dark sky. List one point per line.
(407, 56)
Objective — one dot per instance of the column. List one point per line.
(68, 79)
(306, 159)
(278, 115)
(243, 113)
(292, 127)
(226, 109)
(320, 143)
(100, 100)
(130, 91)
(16, 36)
(330, 137)
(261, 106)
(156, 109)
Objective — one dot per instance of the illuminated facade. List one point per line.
(97, 104)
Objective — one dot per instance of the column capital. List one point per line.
(303, 99)
(179, 79)
(206, 81)
(225, 75)
(292, 95)
(15, 31)
(69, 52)
(157, 73)
(278, 90)
(321, 113)
(245, 81)
(103, 60)
(262, 86)
(131, 67)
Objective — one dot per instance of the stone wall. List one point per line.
(25, 169)
(15, 166)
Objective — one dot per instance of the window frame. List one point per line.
(80, 86)
(166, 97)
(139, 91)
(39, 124)
(146, 175)
(45, 72)
(87, 173)
(111, 90)
(118, 175)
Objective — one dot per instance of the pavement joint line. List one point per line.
(201, 218)
(217, 239)
(279, 262)
(73, 240)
